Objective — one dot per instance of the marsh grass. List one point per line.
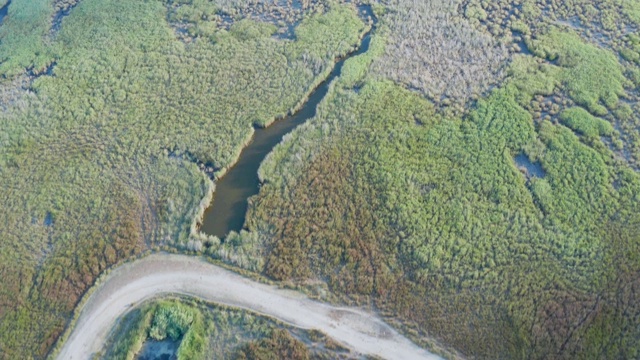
(427, 216)
(85, 175)
(386, 197)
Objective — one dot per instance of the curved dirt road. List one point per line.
(160, 274)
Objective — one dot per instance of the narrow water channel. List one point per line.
(4, 11)
(229, 207)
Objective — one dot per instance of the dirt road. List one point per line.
(160, 274)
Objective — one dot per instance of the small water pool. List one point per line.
(158, 350)
(529, 168)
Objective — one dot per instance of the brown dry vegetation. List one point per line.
(435, 51)
(280, 345)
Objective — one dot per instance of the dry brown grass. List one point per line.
(435, 51)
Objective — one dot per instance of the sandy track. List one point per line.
(160, 274)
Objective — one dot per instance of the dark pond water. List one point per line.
(158, 350)
(59, 16)
(530, 169)
(48, 219)
(229, 207)
(3, 11)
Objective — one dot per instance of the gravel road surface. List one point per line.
(161, 274)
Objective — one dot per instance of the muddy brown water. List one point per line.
(229, 206)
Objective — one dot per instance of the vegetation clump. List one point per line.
(593, 76)
(23, 37)
(170, 322)
(583, 122)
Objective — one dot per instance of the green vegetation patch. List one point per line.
(532, 78)
(586, 124)
(159, 321)
(586, 38)
(170, 322)
(593, 76)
